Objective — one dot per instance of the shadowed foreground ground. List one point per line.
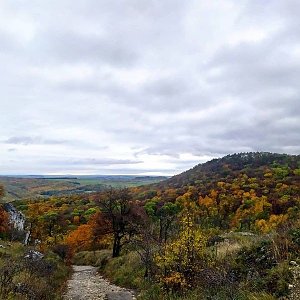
(87, 284)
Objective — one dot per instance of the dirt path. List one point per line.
(87, 284)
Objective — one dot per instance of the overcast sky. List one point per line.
(145, 86)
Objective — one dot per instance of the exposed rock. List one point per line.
(17, 219)
(34, 255)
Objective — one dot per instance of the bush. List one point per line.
(31, 278)
(92, 258)
(126, 270)
(63, 251)
(277, 280)
(295, 234)
(255, 260)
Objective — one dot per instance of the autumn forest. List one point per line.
(226, 229)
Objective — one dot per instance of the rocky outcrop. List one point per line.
(17, 219)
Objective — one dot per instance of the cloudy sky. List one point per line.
(145, 86)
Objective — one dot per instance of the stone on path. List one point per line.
(119, 296)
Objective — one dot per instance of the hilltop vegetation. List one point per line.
(252, 164)
(226, 229)
(242, 191)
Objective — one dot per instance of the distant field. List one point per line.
(44, 186)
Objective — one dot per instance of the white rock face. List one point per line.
(17, 219)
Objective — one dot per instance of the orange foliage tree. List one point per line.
(81, 238)
(4, 222)
(4, 218)
(93, 235)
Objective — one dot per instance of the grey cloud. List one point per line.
(104, 161)
(27, 140)
(167, 87)
(7, 43)
(76, 47)
(135, 84)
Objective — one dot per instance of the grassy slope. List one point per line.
(41, 279)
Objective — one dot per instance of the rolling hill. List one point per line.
(252, 164)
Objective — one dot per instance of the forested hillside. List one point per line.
(242, 191)
(226, 229)
(252, 164)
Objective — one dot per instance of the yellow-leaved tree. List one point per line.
(181, 259)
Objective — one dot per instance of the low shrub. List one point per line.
(31, 278)
(92, 258)
(126, 270)
(278, 279)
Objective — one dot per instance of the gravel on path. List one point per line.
(87, 284)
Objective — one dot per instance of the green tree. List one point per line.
(164, 213)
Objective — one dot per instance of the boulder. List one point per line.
(34, 255)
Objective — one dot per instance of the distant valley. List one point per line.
(32, 186)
